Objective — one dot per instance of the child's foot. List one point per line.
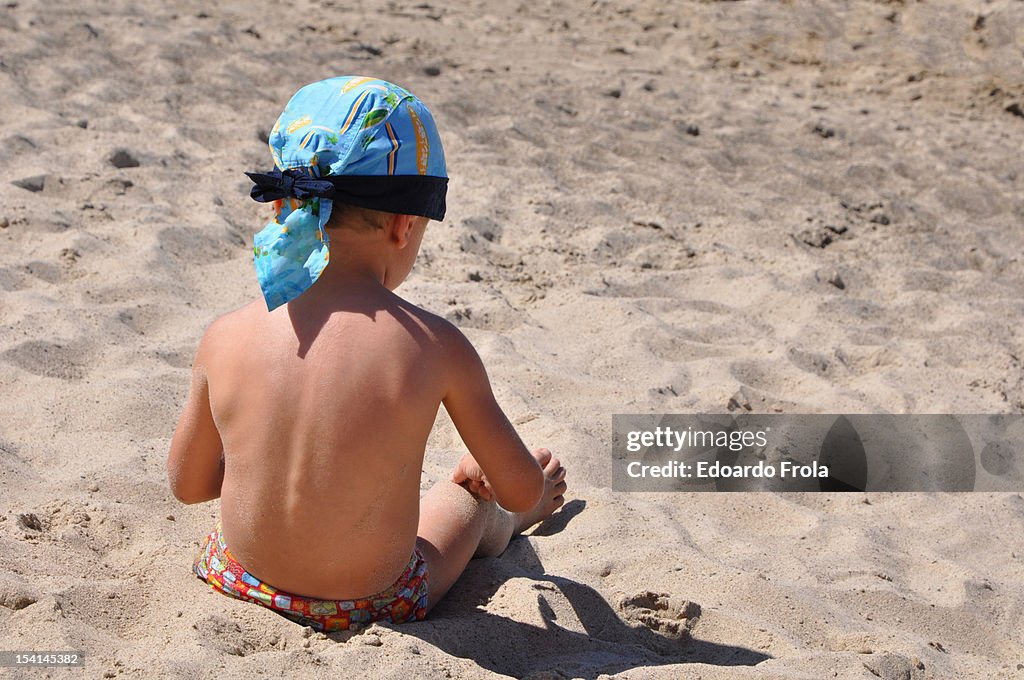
(553, 496)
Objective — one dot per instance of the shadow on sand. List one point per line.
(612, 640)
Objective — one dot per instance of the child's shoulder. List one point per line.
(439, 328)
(236, 319)
(230, 326)
(451, 343)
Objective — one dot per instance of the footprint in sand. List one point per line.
(664, 614)
(52, 360)
(203, 246)
(493, 313)
(226, 635)
(15, 594)
(891, 666)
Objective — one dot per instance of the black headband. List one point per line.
(400, 194)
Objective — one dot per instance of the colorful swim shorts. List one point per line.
(404, 601)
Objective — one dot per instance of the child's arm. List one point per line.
(512, 474)
(195, 465)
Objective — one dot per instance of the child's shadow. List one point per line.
(594, 639)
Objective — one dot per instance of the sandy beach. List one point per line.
(655, 207)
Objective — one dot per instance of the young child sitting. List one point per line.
(309, 419)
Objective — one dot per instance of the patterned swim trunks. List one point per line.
(404, 601)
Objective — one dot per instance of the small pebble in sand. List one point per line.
(816, 238)
(823, 131)
(4, 223)
(370, 640)
(35, 183)
(29, 520)
(122, 158)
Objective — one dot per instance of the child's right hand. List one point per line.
(469, 474)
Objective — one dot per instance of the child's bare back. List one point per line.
(310, 423)
(325, 413)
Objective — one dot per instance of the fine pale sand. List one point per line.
(655, 207)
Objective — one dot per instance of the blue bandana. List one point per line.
(362, 141)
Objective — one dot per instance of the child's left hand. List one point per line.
(469, 474)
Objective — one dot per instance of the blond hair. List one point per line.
(348, 216)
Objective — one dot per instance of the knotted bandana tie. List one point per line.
(276, 185)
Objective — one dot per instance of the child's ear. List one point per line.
(401, 228)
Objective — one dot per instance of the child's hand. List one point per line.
(469, 474)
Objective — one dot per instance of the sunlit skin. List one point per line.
(310, 424)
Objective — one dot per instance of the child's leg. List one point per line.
(455, 525)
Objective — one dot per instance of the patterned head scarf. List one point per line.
(362, 141)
